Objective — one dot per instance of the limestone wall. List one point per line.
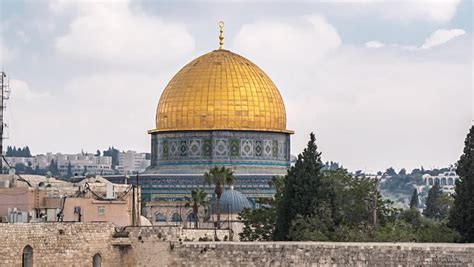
(75, 244)
(58, 244)
(321, 254)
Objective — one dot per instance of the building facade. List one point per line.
(132, 162)
(77, 164)
(446, 180)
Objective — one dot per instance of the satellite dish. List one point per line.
(12, 171)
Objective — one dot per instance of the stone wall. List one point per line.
(75, 244)
(58, 244)
(321, 254)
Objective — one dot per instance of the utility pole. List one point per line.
(4, 95)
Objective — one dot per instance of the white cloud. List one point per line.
(441, 36)
(374, 44)
(7, 54)
(408, 10)
(437, 38)
(310, 40)
(20, 90)
(117, 33)
(368, 109)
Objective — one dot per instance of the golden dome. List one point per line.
(221, 91)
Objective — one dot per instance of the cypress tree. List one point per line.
(301, 190)
(433, 209)
(462, 213)
(414, 200)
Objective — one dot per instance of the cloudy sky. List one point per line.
(381, 83)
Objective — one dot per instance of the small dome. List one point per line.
(232, 201)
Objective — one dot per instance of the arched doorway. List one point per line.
(27, 257)
(97, 260)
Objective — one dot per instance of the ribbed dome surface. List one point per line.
(220, 91)
(232, 201)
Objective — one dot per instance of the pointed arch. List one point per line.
(27, 256)
(97, 260)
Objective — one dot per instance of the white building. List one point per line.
(446, 180)
(132, 161)
(80, 163)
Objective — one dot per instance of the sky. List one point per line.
(381, 83)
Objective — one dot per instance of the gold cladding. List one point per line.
(221, 91)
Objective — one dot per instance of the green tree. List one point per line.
(69, 170)
(219, 177)
(414, 200)
(302, 189)
(198, 198)
(114, 154)
(437, 204)
(259, 224)
(462, 214)
(53, 168)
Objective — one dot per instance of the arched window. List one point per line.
(450, 181)
(97, 260)
(176, 218)
(430, 181)
(27, 258)
(436, 181)
(191, 217)
(443, 181)
(160, 217)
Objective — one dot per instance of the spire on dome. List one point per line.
(221, 34)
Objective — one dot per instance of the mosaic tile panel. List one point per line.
(258, 148)
(221, 148)
(207, 148)
(235, 147)
(246, 148)
(195, 148)
(267, 148)
(281, 149)
(173, 149)
(183, 148)
(275, 149)
(165, 149)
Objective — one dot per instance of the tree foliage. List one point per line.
(302, 189)
(114, 154)
(259, 224)
(462, 213)
(18, 152)
(219, 177)
(437, 204)
(198, 199)
(414, 200)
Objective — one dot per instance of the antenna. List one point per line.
(4, 95)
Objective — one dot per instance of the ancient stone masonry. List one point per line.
(77, 244)
(58, 244)
(322, 254)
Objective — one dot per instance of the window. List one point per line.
(176, 218)
(160, 218)
(101, 210)
(27, 258)
(96, 260)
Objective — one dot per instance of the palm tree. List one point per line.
(198, 198)
(219, 177)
